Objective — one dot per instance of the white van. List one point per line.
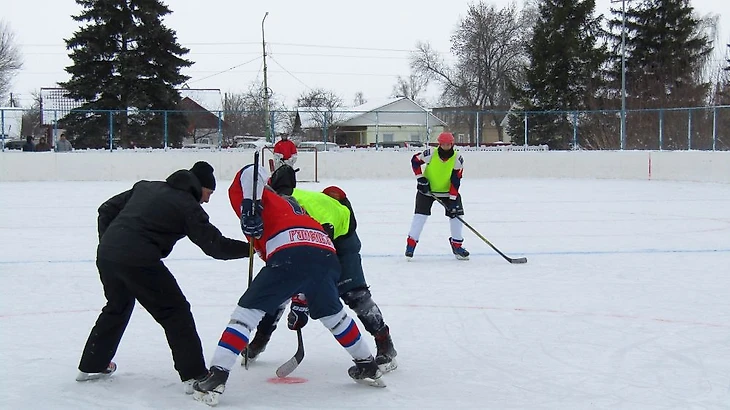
(319, 145)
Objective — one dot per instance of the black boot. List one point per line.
(385, 357)
(212, 386)
(84, 376)
(366, 371)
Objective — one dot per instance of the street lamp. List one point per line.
(623, 71)
(267, 125)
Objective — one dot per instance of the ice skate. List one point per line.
(410, 247)
(104, 374)
(188, 384)
(386, 353)
(256, 347)
(211, 387)
(459, 251)
(366, 371)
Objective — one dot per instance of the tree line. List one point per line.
(552, 59)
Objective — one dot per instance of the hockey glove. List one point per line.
(298, 314)
(251, 223)
(453, 209)
(329, 230)
(423, 186)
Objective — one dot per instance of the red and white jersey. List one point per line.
(286, 224)
(285, 148)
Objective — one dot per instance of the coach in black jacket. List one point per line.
(137, 229)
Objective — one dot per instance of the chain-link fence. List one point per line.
(699, 128)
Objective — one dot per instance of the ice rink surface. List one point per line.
(624, 302)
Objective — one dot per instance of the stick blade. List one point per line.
(518, 260)
(287, 368)
(290, 365)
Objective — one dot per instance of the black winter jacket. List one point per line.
(140, 226)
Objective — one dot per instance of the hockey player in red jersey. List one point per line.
(300, 258)
(285, 152)
(333, 210)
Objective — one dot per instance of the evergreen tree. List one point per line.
(124, 60)
(667, 52)
(564, 73)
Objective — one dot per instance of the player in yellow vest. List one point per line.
(441, 178)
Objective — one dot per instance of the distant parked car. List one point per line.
(198, 145)
(254, 145)
(319, 145)
(14, 144)
(400, 144)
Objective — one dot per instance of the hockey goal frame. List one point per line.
(307, 163)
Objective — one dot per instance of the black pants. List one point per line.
(157, 290)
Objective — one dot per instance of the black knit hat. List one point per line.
(204, 172)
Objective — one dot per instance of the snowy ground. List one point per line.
(624, 303)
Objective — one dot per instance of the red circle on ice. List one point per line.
(287, 380)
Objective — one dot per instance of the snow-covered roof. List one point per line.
(55, 104)
(209, 98)
(394, 111)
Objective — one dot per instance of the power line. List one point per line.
(289, 72)
(226, 70)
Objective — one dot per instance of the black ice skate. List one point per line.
(104, 374)
(211, 387)
(188, 384)
(256, 347)
(366, 371)
(386, 353)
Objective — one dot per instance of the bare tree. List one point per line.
(320, 106)
(489, 46)
(10, 58)
(31, 122)
(244, 112)
(411, 87)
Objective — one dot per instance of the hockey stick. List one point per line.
(507, 258)
(250, 246)
(291, 364)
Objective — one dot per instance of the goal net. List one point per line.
(306, 163)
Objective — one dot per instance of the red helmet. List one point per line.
(446, 138)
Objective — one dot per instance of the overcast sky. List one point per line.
(341, 46)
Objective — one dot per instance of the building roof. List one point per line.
(398, 111)
(209, 99)
(197, 115)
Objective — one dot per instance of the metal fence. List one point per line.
(697, 128)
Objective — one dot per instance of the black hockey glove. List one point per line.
(423, 186)
(330, 230)
(298, 314)
(453, 209)
(251, 223)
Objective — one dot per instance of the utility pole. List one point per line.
(267, 124)
(623, 71)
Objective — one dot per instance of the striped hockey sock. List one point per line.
(236, 336)
(345, 330)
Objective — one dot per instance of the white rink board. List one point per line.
(128, 165)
